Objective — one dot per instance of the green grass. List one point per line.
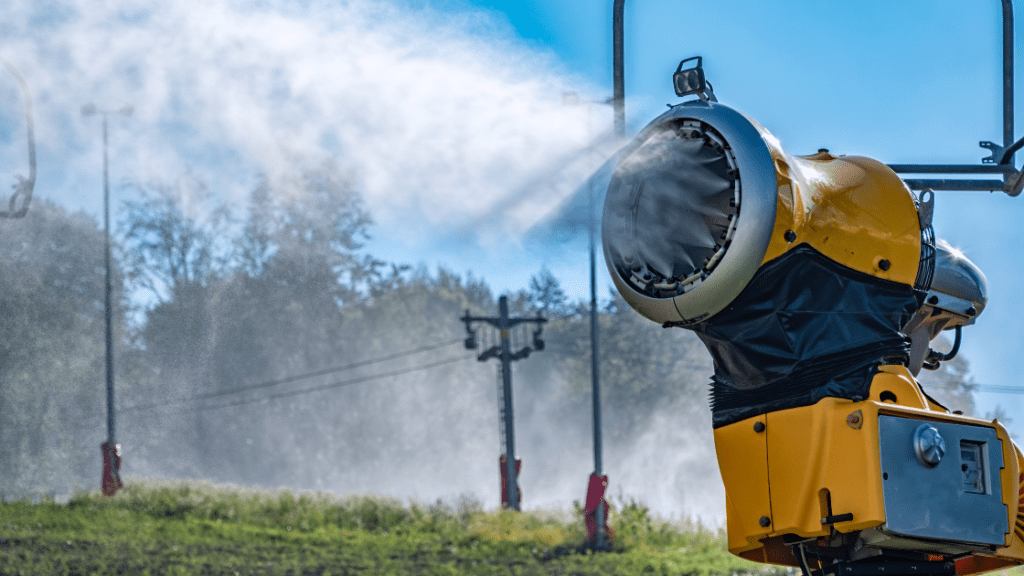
(199, 528)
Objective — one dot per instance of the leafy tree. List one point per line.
(260, 305)
(546, 293)
(173, 237)
(296, 294)
(52, 356)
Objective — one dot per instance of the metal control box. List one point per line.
(940, 481)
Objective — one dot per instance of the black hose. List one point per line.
(956, 348)
(934, 358)
(1009, 152)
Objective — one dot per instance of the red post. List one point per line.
(595, 499)
(504, 480)
(111, 468)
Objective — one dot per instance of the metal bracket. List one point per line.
(470, 342)
(997, 152)
(692, 81)
(492, 352)
(925, 208)
(882, 568)
(523, 353)
(538, 342)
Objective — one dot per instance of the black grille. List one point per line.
(926, 268)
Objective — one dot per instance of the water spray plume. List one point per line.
(438, 123)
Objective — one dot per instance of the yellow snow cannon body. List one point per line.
(816, 283)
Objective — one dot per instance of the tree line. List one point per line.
(218, 312)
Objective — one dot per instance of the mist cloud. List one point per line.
(444, 121)
(439, 117)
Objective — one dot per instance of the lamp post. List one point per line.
(111, 450)
(595, 504)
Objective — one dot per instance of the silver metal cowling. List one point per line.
(725, 274)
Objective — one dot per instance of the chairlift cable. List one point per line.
(289, 379)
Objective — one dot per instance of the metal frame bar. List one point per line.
(1012, 181)
(1007, 76)
(619, 78)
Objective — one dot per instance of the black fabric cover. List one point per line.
(668, 208)
(804, 328)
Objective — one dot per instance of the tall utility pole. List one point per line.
(111, 450)
(503, 351)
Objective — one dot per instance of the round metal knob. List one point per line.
(929, 445)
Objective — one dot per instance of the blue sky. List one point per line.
(902, 82)
(449, 113)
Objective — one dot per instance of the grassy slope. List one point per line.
(196, 528)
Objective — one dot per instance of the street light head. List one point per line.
(88, 109)
(127, 110)
(570, 98)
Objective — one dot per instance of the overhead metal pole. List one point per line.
(1001, 160)
(1008, 77)
(618, 74)
(1012, 182)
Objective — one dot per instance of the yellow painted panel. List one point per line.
(789, 208)
(743, 461)
(1016, 505)
(896, 385)
(832, 445)
(854, 210)
(780, 470)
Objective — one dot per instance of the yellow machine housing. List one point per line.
(804, 465)
(854, 210)
(814, 474)
(805, 276)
